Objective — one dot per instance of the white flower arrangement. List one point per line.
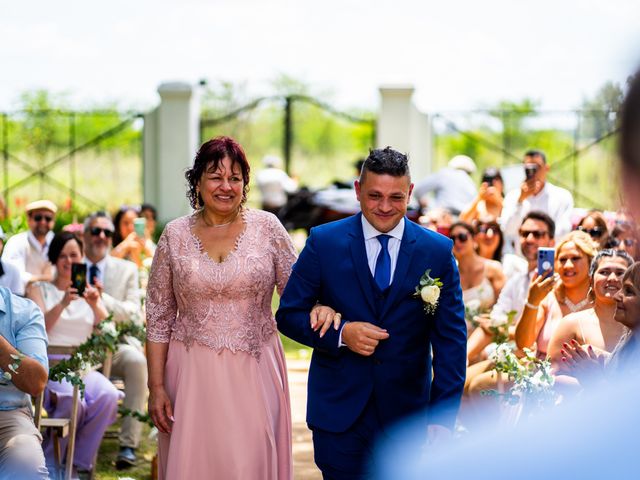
(429, 291)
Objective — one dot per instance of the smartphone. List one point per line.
(545, 261)
(79, 277)
(530, 170)
(139, 225)
(488, 179)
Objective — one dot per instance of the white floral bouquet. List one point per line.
(429, 291)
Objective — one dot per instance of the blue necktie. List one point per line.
(382, 274)
(93, 274)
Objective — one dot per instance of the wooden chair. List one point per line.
(60, 427)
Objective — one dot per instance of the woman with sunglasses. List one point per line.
(489, 239)
(127, 243)
(481, 278)
(624, 236)
(594, 326)
(595, 225)
(552, 297)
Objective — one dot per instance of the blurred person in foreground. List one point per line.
(117, 281)
(377, 367)
(22, 331)
(452, 187)
(593, 437)
(28, 250)
(535, 193)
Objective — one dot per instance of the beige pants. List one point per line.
(130, 364)
(21, 454)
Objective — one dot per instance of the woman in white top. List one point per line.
(595, 326)
(70, 320)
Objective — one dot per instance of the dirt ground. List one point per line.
(303, 466)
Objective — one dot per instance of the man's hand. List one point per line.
(363, 337)
(528, 189)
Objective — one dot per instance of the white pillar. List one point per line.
(403, 127)
(171, 139)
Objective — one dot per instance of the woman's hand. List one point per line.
(322, 317)
(70, 294)
(582, 361)
(160, 409)
(540, 288)
(91, 295)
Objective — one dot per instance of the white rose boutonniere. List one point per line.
(429, 291)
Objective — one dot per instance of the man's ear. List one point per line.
(356, 184)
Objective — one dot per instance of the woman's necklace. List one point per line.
(213, 225)
(574, 307)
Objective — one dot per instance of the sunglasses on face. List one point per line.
(537, 234)
(96, 231)
(486, 229)
(461, 237)
(39, 217)
(595, 232)
(628, 242)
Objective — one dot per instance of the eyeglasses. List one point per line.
(489, 230)
(628, 242)
(96, 231)
(537, 234)
(595, 232)
(461, 237)
(39, 217)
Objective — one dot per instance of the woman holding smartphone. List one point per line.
(129, 240)
(552, 297)
(488, 203)
(70, 319)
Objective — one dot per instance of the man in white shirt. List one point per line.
(9, 274)
(535, 193)
(274, 184)
(28, 250)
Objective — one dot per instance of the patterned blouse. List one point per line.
(192, 298)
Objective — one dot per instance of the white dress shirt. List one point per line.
(25, 252)
(514, 295)
(102, 264)
(373, 246)
(554, 201)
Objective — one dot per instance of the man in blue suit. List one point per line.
(377, 367)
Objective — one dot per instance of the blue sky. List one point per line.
(458, 54)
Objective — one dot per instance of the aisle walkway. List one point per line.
(303, 466)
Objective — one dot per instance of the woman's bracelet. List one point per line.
(531, 306)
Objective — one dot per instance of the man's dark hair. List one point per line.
(536, 153)
(544, 218)
(386, 161)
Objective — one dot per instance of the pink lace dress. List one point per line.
(225, 372)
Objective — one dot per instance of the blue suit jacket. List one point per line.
(332, 269)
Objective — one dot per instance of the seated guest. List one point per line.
(150, 214)
(489, 239)
(537, 230)
(127, 243)
(118, 281)
(21, 331)
(9, 274)
(481, 279)
(624, 236)
(488, 203)
(594, 326)
(70, 320)
(551, 298)
(590, 366)
(595, 225)
(28, 250)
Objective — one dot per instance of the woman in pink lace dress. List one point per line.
(217, 373)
